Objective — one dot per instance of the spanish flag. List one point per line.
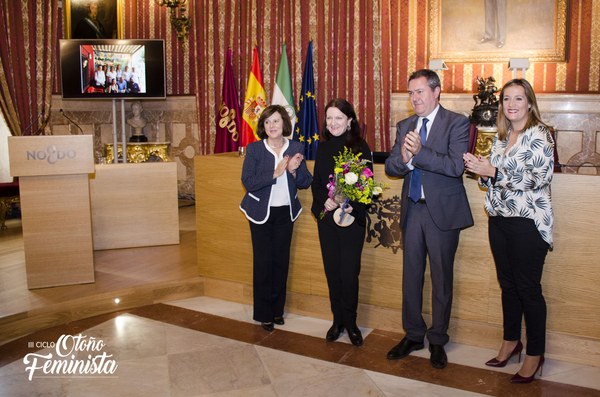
(254, 103)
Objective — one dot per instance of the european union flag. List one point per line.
(307, 131)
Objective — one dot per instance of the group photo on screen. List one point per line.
(101, 69)
(113, 69)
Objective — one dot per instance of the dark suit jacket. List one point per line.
(441, 162)
(257, 178)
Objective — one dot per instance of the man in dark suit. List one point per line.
(428, 153)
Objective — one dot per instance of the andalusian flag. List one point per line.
(254, 103)
(229, 121)
(307, 131)
(282, 93)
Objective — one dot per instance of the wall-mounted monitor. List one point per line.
(101, 69)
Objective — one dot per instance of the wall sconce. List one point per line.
(437, 64)
(180, 23)
(515, 64)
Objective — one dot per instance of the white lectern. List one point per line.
(55, 207)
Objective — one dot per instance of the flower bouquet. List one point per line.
(352, 181)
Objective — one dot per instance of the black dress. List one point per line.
(341, 247)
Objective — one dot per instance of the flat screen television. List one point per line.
(101, 69)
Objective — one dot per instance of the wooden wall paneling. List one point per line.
(134, 205)
(569, 282)
(57, 230)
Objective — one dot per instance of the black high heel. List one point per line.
(494, 362)
(528, 379)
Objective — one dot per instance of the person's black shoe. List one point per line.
(334, 332)
(267, 326)
(278, 320)
(355, 336)
(438, 358)
(403, 349)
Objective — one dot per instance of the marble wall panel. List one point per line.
(575, 117)
(172, 120)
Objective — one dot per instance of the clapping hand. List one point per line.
(281, 167)
(294, 163)
(479, 165)
(412, 145)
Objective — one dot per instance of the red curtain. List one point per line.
(351, 40)
(28, 57)
(348, 54)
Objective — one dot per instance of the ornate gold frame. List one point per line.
(555, 54)
(118, 17)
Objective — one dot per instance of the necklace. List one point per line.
(276, 147)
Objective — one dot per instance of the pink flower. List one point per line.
(367, 172)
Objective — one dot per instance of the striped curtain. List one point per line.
(580, 74)
(348, 39)
(28, 59)
(364, 51)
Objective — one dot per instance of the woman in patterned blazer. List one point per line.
(518, 176)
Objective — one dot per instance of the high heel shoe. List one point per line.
(494, 362)
(528, 379)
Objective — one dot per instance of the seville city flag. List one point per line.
(254, 102)
(228, 117)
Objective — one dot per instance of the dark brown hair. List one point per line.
(268, 112)
(354, 138)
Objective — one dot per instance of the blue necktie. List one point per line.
(414, 191)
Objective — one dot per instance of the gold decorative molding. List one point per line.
(140, 152)
(485, 139)
(5, 205)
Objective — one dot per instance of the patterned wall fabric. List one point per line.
(348, 48)
(364, 51)
(399, 28)
(29, 34)
(580, 74)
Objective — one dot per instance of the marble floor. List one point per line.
(208, 347)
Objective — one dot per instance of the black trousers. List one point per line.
(519, 252)
(271, 252)
(341, 249)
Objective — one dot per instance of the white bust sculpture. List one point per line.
(137, 123)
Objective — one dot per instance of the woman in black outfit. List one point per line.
(341, 247)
